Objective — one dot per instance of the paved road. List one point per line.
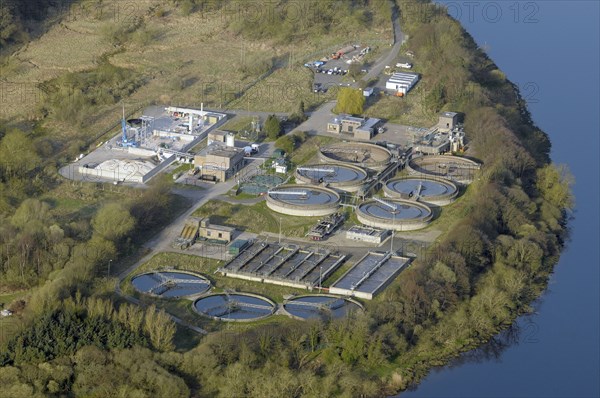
(380, 64)
(161, 242)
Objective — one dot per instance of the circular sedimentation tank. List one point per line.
(396, 214)
(240, 307)
(170, 284)
(435, 191)
(320, 306)
(340, 176)
(303, 200)
(453, 168)
(361, 154)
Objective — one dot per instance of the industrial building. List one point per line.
(214, 231)
(448, 121)
(219, 161)
(218, 136)
(147, 145)
(358, 127)
(367, 234)
(402, 82)
(195, 228)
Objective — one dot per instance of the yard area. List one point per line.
(255, 218)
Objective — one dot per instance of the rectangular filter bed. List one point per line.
(372, 273)
(288, 266)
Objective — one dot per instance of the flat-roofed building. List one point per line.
(217, 136)
(216, 232)
(447, 121)
(402, 82)
(358, 127)
(220, 161)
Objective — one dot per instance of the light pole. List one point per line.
(109, 261)
(279, 230)
(393, 231)
(320, 277)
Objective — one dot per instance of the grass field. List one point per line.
(307, 153)
(256, 218)
(238, 123)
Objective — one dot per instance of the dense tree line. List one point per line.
(80, 322)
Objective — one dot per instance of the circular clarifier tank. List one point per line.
(344, 177)
(235, 307)
(361, 154)
(170, 284)
(429, 190)
(455, 168)
(320, 306)
(303, 200)
(396, 214)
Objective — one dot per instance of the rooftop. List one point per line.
(219, 133)
(339, 118)
(220, 150)
(369, 123)
(449, 114)
(220, 228)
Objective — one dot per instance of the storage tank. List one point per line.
(230, 140)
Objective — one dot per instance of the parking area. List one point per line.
(334, 69)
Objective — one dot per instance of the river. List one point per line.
(550, 49)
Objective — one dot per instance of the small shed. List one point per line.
(238, 246)
(280, 166)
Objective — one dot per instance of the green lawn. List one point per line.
(7, 298)
(256, 218)
(307, 152)
(181, 168)
(238, 123)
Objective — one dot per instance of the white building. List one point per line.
(280, 166)
(402, 82)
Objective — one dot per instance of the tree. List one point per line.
(286, 143)
(351, 101)
(113, 221)
(31, 210)
(160, 328)
(272, 127)
(554, 183)
(355, 70)
(17, 154)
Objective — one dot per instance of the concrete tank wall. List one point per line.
(301, 209)
(397, 224)
(439, 200)
(376, 165)
(413, 169)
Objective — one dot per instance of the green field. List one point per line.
(257, 218)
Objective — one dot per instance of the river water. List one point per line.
(550, 49)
